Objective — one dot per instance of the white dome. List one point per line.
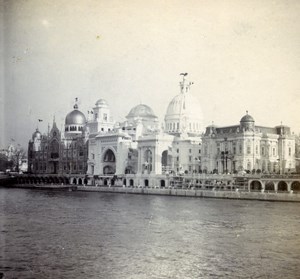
(184, 114)
(142, 111)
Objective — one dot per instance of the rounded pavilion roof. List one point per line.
(247, 118)
(142, 111)
(75, 117)
(101, 103)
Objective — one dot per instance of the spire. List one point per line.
(76, 103)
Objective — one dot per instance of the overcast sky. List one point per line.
(241, 55)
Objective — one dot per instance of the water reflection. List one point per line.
(95, 235)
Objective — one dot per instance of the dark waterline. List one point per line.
(48, 234)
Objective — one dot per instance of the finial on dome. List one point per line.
(76, 105)
(246, 111)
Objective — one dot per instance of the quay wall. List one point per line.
(264, 196)
(199, 193)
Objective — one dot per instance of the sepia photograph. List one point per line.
(149, 139)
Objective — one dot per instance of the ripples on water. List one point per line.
(97, 235)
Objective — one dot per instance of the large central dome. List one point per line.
(184, 114)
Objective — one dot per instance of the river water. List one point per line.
(48, 234)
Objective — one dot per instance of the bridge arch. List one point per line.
(295, 186)
(282, 186)
(255, 185)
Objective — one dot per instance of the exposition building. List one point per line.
(60, 153)
(141, 151)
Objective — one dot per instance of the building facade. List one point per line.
(141, 151)
(57, 153)
(248, 147)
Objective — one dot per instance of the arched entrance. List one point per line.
(255, 185)
(146, 182)
(295, 186)
(131, 182)
(79, 181)
(282, 186)
(162, 183)
(124, 182)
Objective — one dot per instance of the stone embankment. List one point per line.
(245, 195)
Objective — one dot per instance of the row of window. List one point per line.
(73, 128)
(68, 167)
(65, 153)
(175, 126)
(190, 150)
(264, 151)
(104, 117)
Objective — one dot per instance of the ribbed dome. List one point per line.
(75, 117)
(101, 103)
(142, 111)
(184, 113)
(247, 118)
(36, 134)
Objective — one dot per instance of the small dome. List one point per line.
(36, 134)
(75, 117)
(247, 118)
(142, 111)
(101, 103)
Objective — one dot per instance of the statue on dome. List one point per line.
(184, 85)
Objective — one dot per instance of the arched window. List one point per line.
(148, 160)
(109, 156)
(54, 149)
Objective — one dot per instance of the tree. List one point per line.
(16, 157)
(3, 162)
